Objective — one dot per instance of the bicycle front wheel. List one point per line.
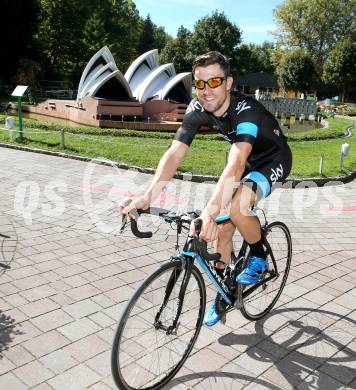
(258, 301)
(144, 355)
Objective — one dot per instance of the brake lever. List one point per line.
(124, 221)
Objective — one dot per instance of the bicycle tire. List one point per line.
(261, 301)
(138, 366)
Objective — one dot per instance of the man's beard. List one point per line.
(214, 106)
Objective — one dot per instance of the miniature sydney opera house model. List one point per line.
(144, 80)
(147, 96)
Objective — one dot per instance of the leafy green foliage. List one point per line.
(95, 35)
(122, 23)
(28, 72)
(314, 25)
(340, 65)
(71, 31)
(147, 37)
(151, 37)
(178, 51)
(296, 71)
(215, 32)
(161, 37)
(250, 58)
(59, 33)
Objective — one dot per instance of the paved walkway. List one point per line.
(72, 274)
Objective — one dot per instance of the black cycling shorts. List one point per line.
(262, 174)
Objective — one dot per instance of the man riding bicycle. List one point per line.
(259, 157)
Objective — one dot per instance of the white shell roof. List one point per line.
(96, 77)
(98, 61)
(186, 78)
(94, 89)
(145, 79)
(141, 68)
(152, 85)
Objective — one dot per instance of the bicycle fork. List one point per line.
(176, 273)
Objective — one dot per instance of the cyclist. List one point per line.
(259, 157)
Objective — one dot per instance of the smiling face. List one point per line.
(214, 100)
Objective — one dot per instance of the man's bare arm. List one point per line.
(166, 169)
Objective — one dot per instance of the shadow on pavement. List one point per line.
(309, 339)
(7, 331)
(220, 380)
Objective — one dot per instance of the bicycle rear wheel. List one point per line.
(258, 300)
(143, 355)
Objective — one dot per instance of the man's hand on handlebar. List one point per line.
(129, 204)
(209, 229)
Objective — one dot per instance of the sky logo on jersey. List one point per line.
(277, 132)
(194, 106)
(242, 106)
(276, 174)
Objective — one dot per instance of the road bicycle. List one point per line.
(161, 322)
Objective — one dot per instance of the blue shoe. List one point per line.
(252, 273)
(211, 316)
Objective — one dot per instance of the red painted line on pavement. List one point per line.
(343, 208)
(163, 199)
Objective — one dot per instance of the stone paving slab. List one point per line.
(72, 273)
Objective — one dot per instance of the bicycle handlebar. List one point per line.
(136, 213)
(199, 245)
(202, 245)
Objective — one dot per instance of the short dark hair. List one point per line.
(211, 58)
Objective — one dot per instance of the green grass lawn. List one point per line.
(207, 154)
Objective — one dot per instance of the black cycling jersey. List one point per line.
(246, 120)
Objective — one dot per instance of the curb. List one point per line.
(181, 176)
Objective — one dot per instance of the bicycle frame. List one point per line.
(169, 304)
(220, 285)
(191, 253)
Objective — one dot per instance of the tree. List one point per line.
(296, 71)
(19, 20)
(95, 35)
(178, 51)
(122, 24)
(28, 73)
(314, 25)
(59, 36)
(215, 32)
(151, 37)
(71, 31)
(340, 65)
(147, 39)
(252, 58)
(161, 37)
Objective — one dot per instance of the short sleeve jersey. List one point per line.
(246, 120)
